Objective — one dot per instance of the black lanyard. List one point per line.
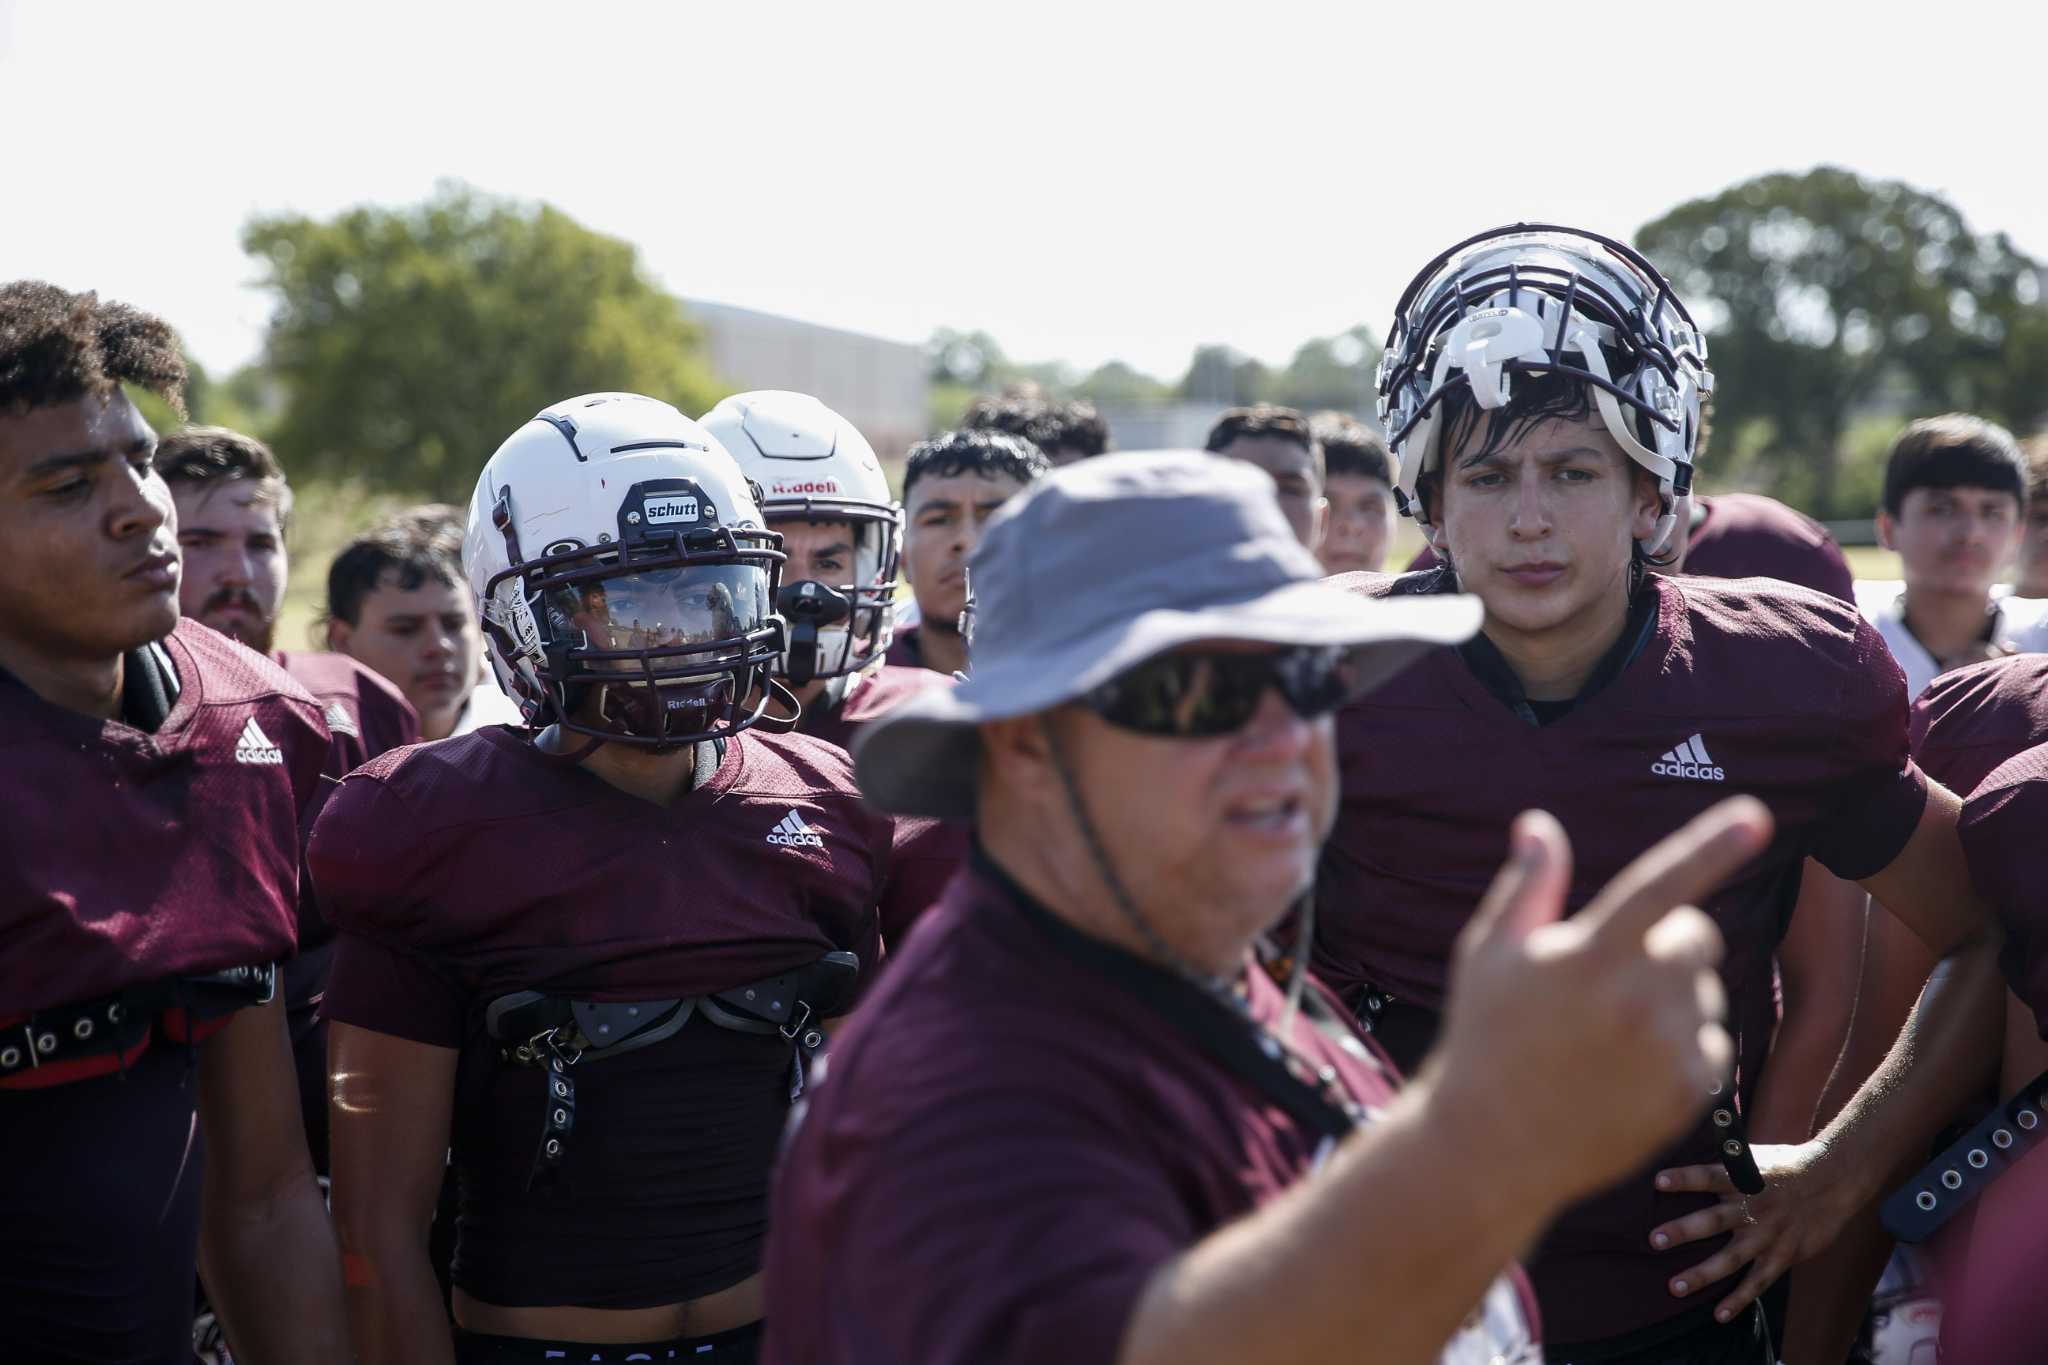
(1222, 1028)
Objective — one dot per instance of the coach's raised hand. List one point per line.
(1594, 1039)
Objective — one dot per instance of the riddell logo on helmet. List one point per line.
(787, 490)
(670, 509)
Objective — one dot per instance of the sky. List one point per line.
(1083, 181)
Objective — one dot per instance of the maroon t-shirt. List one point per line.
(2002, 826)
(465, 870)
(927, 851)
(1971, 720)
(1746, 535)
(1010, 1143)
(1744, 686)
(127, 857)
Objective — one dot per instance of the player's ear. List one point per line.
(1885, 529)
(1648, 503)
(1016, 754)
(338, 632)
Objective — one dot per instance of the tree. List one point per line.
(1821, 291)
(406, 343)
(1332, 372)
(1117, 384)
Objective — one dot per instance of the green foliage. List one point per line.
(406, 343)
(1332, 372)
(1824, 292)
(1117, 384)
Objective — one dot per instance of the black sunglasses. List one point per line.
(1192, 694)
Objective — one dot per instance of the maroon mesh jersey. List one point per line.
(1746, 535)
(927, 851)
(1007, 1147)
(1971, 720)
(365, 715)
(1741, 686)
(129, 857)
(464, 870)
(2002, 826)
(905, 650)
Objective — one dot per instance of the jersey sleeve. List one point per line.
(1877, 791)
(1026, 1214)
(2001, 829)
(390, 990)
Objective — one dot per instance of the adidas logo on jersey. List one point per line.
(792, 832)
(1689, 760)
(255, 747)
(340, 722)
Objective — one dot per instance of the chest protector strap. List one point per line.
(557, 1033)
(103, 1036)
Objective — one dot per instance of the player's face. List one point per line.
(1294, 478)
(2032, 577)
(1361, 523)
(819, 551)
(233, 550)
(1223, 831)
(1953, 540)
(943, 525)
(1541, 529)
(424, 640)
(90, 568)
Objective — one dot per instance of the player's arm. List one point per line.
(1818, 966)
(391, 1101)
(1815, 1190)
(266, 1250)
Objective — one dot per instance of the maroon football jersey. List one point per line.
(128, 857)
(365, 715)
(1971, 720)
(1746, 535)
(1741, 686)
(2002, 826)
(462, 871)
(927, 851)
(1007, 1147)
(905, 650)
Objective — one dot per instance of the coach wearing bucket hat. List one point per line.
(1083, 1118)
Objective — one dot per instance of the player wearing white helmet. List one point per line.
(642, 879)
(823, 491)
(1542, 391)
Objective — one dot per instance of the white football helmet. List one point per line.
(812, 465)
(625, 582)
(1535, 297)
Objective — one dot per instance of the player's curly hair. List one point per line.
(991, 454)
(56, 346)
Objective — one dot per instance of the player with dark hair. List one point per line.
(148, 869)
(594, 957)
(952, 484)
(1955, 498)
(1065, 431)
(1281, 442)
(234, 511)
(397, 603)
(824, 493)
(1542, 391)
(1358, 485)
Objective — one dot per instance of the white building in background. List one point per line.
(877, 384)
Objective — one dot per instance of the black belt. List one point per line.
(1943, 1186)
(1731, 1134)
(556, 1032)
(121, 1021)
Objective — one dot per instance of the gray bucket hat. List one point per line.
(1100, 566)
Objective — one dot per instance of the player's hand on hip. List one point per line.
(1594, 1040)
(1801, 1211)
